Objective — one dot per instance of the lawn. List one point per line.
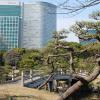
(25, 93)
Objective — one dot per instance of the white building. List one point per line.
(39, 22)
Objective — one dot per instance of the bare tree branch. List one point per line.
(78, 5)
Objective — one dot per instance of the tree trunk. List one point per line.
(71, 63)
(80, 83)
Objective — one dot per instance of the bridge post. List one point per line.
(31, 74)
(13, 74)
(55, 84)
(22, 78)
(50, 86)
(70, 81)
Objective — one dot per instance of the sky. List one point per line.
(65, 21)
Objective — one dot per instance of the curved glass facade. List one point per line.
(38, 24)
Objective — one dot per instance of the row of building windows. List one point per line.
(7, 48)
(9, 17)
(9, 29)
(9, 21)
(10, 39)
(13, 30)
(9, 32)
(8, 24)
(9, 43)
(9, 35)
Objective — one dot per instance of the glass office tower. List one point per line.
(9, 26)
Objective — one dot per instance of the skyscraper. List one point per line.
(39, 22)
(27, 26)
(10, 13)
(88, 41)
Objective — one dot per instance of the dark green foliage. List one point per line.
(32, 59)
(13, 57)
(83, 56)
(81, 28)
(86, 60)
(1, 58)
(59, 62)
(4, 72)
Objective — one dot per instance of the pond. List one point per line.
(93, 96)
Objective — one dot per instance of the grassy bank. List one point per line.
(24, 93)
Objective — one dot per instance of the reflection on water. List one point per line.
(87, 97)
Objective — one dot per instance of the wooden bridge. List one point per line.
(52, 83)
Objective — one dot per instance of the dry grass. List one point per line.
(16, 90)
(96, 81)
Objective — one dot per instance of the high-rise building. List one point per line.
(39, 22)
(10, 13)
(26, 25)
(88, 41)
